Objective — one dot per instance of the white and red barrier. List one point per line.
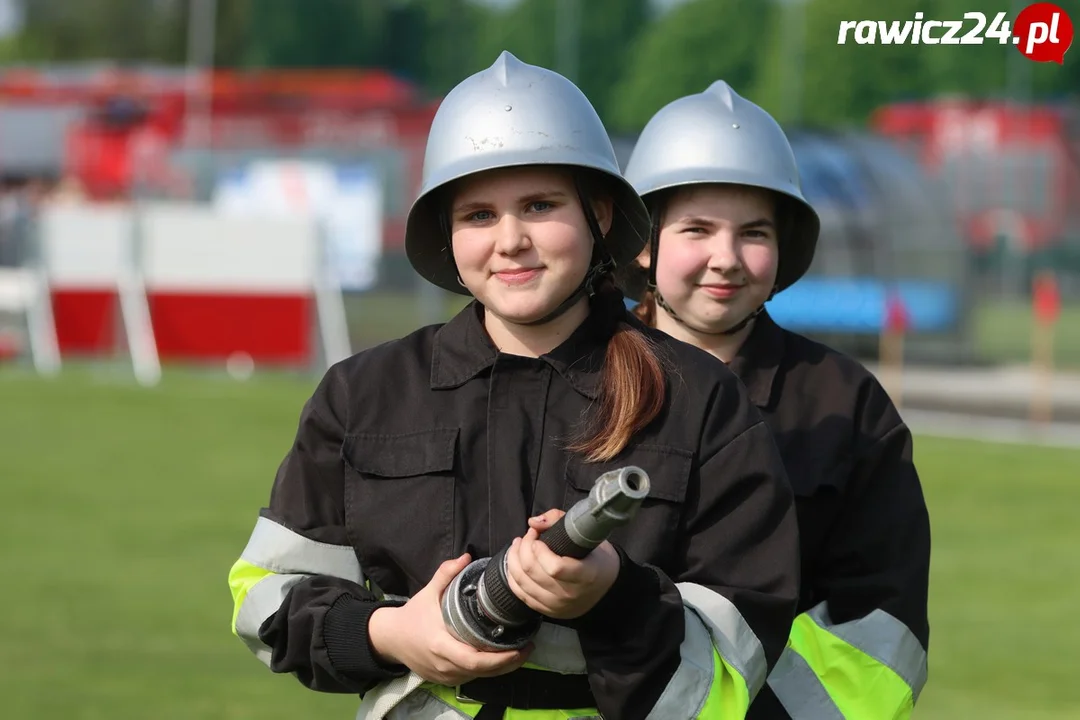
(207, 285)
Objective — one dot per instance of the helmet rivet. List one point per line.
(509, 108)
(735, 125)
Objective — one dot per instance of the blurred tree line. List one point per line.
(629, 56)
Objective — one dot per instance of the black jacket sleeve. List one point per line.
(739, 542)
(319, 633)
(878, 555)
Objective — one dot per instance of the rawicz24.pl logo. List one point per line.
(1043, 32)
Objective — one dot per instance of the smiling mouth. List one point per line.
(721, 291)
(517, 276)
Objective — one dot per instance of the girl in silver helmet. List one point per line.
(730, 230)
(417, 459)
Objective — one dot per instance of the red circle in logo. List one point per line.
(1043, 32)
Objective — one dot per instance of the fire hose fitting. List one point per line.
(480, 609)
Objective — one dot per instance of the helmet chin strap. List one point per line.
(600, 265)
(654, 251)
(728, 331)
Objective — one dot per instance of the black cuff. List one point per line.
(634, 595)
(345, 633)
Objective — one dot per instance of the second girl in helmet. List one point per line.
(730, 228)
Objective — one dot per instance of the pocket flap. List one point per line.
(668, 469)
(415, 453)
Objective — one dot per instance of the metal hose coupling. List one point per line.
(478, 606)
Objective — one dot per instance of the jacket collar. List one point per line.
(463, 349)
(759, 358)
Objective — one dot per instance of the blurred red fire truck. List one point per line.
(164, 133)
(114, 131)
(1013, 171)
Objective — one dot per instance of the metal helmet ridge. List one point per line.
(717, 136)
(513, 114)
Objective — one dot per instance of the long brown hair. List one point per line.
(632, 389)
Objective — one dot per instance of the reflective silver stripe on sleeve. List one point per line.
(689, 687)
(420, 705)
(736, 642)
(280, 550)
(263, 600)
(291, 557)
(884, 638)
(799, 689)
(711, 621)
(402, 697)
(556, 648)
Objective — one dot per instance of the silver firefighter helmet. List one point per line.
(510, 115)
(717, 136)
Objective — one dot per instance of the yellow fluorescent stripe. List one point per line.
(728, 696)
(448, 696)
(860, 686)
(242, 577)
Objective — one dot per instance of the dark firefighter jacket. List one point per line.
(421, 449)
(858, 648)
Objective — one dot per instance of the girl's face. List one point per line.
(718, 254)
(521, 241)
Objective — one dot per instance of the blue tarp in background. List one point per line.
(858, 305)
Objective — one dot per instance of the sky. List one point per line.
(9, 17)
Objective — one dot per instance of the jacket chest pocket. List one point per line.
(399, 504)
(652, 534)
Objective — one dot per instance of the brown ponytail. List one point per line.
(631, 396)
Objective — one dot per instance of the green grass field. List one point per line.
(124, 508)
(1003, 333)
